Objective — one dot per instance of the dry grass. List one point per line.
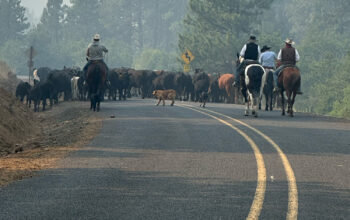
(46, 152)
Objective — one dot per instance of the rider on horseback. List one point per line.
(288, 56)
(250, 52)
(267, 58)
(95, 53)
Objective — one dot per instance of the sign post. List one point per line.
(31, 54)
(187, 57)
(187, 68)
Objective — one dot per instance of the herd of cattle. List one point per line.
(69, 84)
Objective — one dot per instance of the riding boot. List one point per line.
(299, 92)
(236, 83)
(237, 79)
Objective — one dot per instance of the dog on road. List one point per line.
(163, 95)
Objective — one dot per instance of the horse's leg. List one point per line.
(91, 101)
(292, 103)
(244, 93)
(246, 112)
(44, 103)
(255, 99)
(98, 102)
(289, 101)
(283, 110)
(270, 101)
(260, 105)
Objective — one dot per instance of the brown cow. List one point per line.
(225, 83)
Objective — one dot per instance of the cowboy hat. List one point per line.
(96, 37)
(265, 48)
(289, 41)
(252, 38)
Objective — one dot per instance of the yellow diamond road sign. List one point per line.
(187, 68)
(187, 57)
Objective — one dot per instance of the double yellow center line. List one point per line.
(258, 201)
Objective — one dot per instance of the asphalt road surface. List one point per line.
(185, 162)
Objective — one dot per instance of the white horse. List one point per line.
(255, 77)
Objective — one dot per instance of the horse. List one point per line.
(289, 81)
(268, 90)
(95, 78)
(252, 85)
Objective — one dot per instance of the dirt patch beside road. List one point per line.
(54, 134)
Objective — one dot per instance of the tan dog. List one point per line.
(165, 94)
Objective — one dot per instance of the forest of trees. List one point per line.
(152, 34)
(132, 30)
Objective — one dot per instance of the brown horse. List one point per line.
(96, 80)
(289, 81)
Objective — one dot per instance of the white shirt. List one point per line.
(297, 57)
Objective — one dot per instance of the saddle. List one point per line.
(244, 64)
(284, 67)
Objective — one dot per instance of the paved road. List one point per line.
(183, 162)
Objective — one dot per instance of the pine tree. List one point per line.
(13, 22)
(215, 30)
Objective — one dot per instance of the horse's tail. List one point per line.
(269, 80)
(296, 78)
(255, 73)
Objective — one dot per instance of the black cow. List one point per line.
(214, 91)
(143, 80)
(123, 83)
(113, 79)
(43, 73)
(62, 83)
(201, 83)
(40, 92)
(23, 90)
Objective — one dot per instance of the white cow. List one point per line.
(75, 89)
(36, 77)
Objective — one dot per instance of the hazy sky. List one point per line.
(36, 7)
